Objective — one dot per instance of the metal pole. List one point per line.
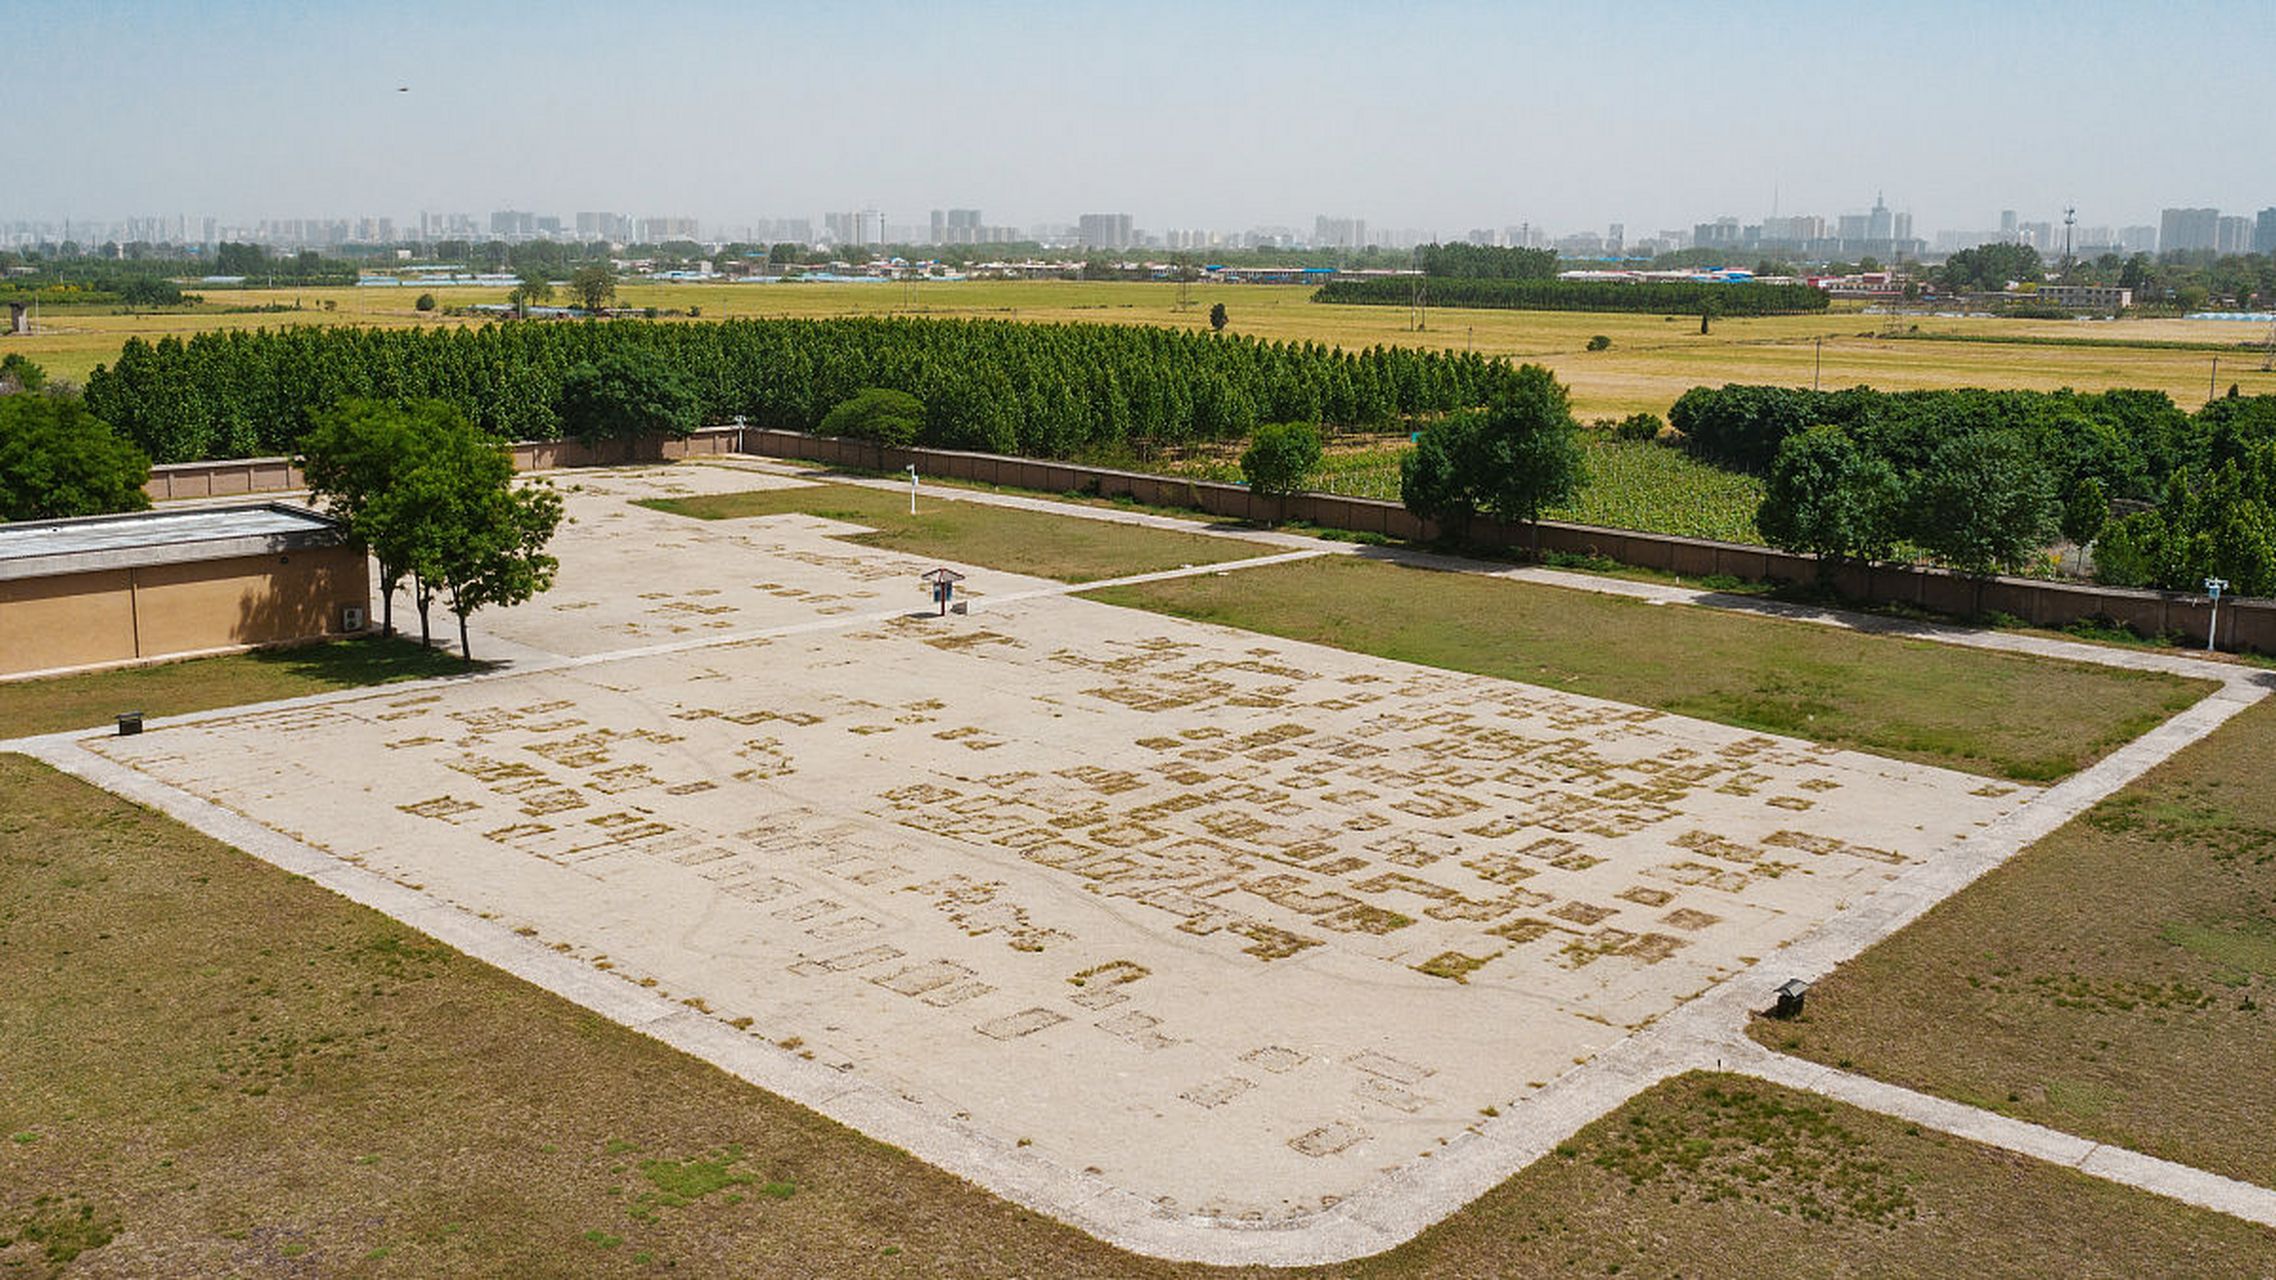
(1818, 368)
(912, 488)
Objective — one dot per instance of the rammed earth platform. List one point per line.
(1225, 926)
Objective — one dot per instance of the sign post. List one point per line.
(942, 584)
(2214, 587)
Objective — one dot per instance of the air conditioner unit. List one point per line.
(351, 618)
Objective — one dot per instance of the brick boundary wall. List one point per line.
(235, 476)
(2245, 623)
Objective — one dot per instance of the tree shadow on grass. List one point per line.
(364, 660)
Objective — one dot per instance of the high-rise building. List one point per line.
(659, 230)
(1616, 239)
(956, 226)
(2007, 224)
(603, 226)
(513, 224)
(1722, 233)
(2181, 230)
(869, 227)
(1880, 224)
(1103, 231)
(1339, 233)
(2141, 239)
(2263, 233)
(2233, 235)
(1795, 229)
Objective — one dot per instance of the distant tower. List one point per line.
(2070, 220)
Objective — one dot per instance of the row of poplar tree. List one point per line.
(1041, 390)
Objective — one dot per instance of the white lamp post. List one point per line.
(2214, 587)
(912, 469)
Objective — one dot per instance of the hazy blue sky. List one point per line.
(1435, 115)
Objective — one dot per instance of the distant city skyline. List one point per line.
(1433, 115)
(1881, 231)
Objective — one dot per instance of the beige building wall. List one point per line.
(66, 620)
(155, 610)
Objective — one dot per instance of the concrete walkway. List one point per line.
(2100, 1159)
(1706, 1034)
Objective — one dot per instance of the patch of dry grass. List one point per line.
(2116, 980)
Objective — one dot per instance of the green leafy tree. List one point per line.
(594, 285)
(1991, 267)
(499, 556)
(2217, 522)
(149, 291)
(426, 302)
(623, 397)
(1828, 497)
(1527, 453)
(19, 373)
(1982, 504)
(1217, 317)
(1434, 476)
(2086, 509)
(886, 418)
(466, 532)
(59, 460)
(1280, 457)
(534, 287)
(354, 458)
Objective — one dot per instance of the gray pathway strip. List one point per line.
(2114, 1164)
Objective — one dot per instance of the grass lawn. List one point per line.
(2010, 716)
(2116, 980)
(91, 699)
(1068, 548)
(194, 1091)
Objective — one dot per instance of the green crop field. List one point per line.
(193, 1093)
(2116, 980)
(1985, 712)
(1632, 484)
(1652, 360)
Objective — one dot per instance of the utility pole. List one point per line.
(1818, 368)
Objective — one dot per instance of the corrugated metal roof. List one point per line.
(154, 529)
